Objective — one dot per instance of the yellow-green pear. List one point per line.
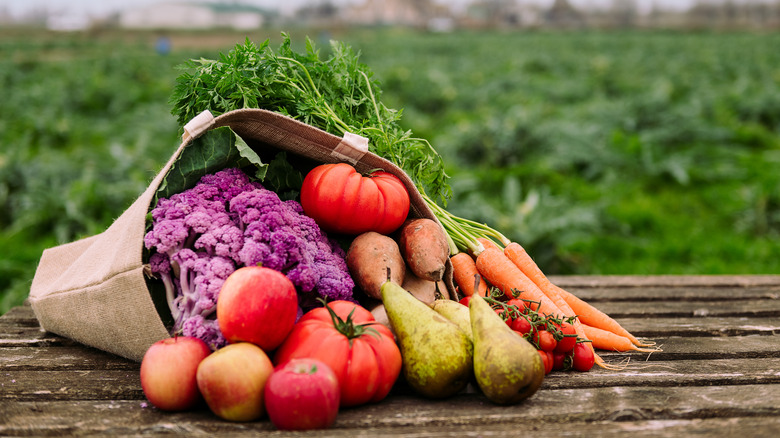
(437, 355)
(508, 369)
(455, 312)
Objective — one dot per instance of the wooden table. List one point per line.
(718, 375)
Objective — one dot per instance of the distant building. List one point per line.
(414, 13)
(180, 15)
(501, 14)
(563, 15)
(68, 22)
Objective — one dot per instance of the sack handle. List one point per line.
(351, 148)
(197, 126)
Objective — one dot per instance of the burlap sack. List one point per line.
(94, 290)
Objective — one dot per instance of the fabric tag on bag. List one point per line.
(351, 148)
(198, 125)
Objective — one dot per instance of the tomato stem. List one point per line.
(348, 327)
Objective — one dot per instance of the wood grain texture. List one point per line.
(718, 374)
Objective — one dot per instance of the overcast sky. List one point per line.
(103, 7)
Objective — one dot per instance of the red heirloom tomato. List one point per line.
(343, 201)
(345, 336)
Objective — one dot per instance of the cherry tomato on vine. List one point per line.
(521, 325)
(547, 360)
(582, 357)
(566, 344)
(520, 304)
(559, 360)
(504, 315)
(544, 340)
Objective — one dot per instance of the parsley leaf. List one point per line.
(337, 94)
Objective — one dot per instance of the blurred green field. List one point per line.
(602, 153)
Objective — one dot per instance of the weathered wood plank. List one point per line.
(672, 373)
(718, 375)
(123, 382)
(708, 427)
(645, 281)
(706, 348)
(21, 356)
(71, 385)
(652, 328)
(19, 316)
(12, 336)
(30, 358)
(23, 320)
(673, 348)
(591, 404)
(19, 326)
(683, 309)
(701, 326)
(645, 407)
(31, 337)
(693, 293)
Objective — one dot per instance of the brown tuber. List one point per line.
(369, 258)
(424, 290)
(424, 246)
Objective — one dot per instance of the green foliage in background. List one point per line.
(601, 153)
(84, 126)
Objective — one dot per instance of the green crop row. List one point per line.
(84, 124)
(604, 153)
(601, 153)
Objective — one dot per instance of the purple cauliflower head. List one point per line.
(202, 235)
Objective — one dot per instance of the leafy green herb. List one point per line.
(336, 94)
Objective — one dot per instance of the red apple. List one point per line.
(168, 372)
(302, 394)
(232, 380)
(257, 305)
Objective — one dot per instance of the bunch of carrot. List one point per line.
(509, 268)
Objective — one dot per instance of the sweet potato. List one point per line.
(424, 290)
(424, 248)
(380, 315)
(368, 259)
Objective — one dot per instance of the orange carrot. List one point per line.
(515, 252)
(606, 340)
(499, 271)
(523, 260)
(518, 255)
(596, 318)
(487, 243)
(525, 263)
(584, 311)
(464, 272)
